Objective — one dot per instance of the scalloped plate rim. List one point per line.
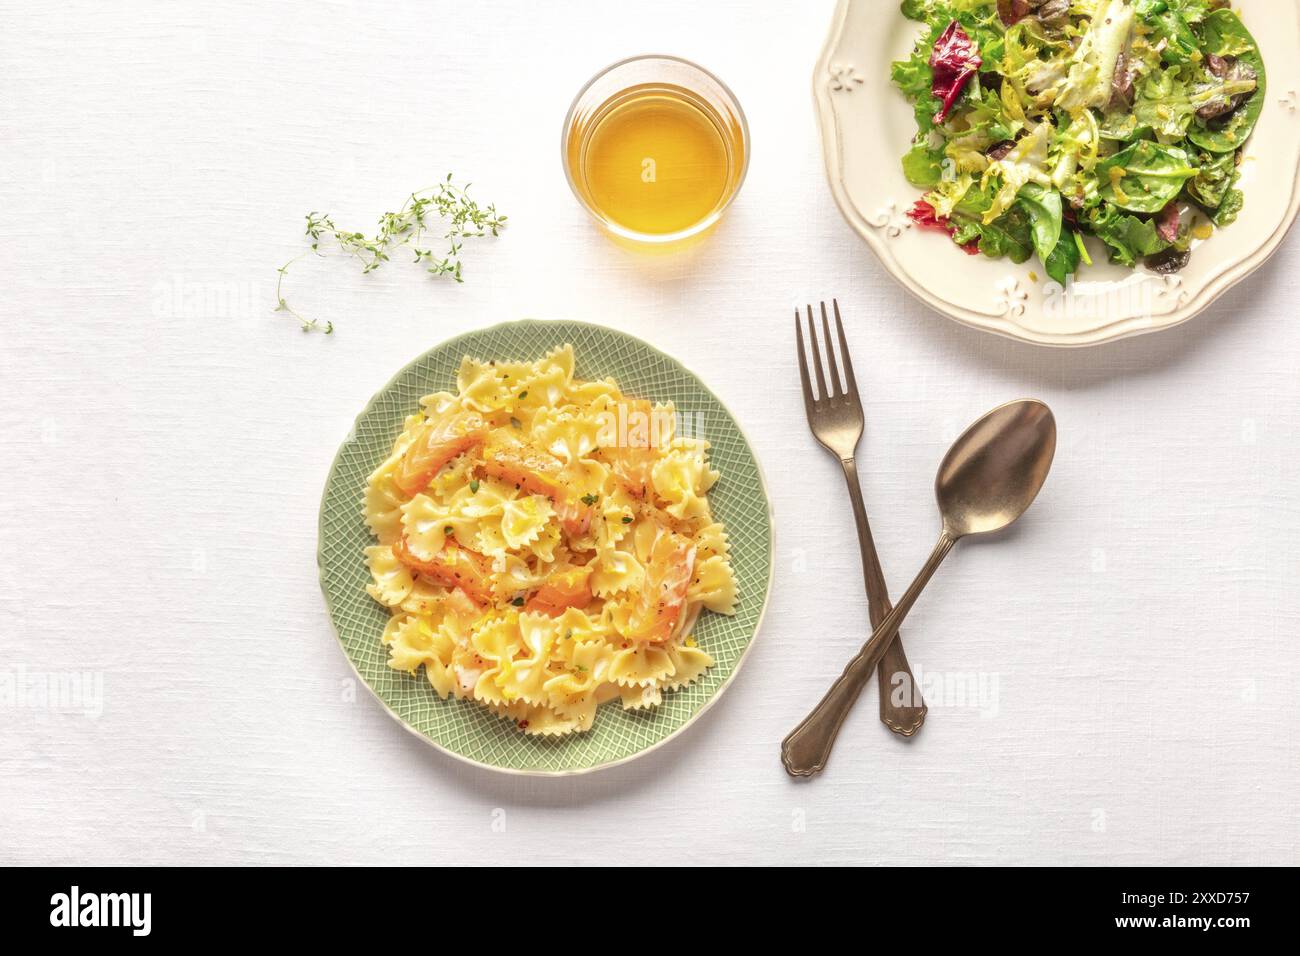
(528, 771)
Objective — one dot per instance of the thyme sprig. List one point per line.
(445, 208)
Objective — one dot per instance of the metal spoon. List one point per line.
(990, 475)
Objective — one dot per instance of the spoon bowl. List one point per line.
(993, 472)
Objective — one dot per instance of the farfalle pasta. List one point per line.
(545, 545)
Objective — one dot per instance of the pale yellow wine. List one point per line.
(655, 159)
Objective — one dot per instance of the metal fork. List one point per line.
(836, 419)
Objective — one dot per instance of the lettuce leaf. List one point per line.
(1209, 187)
(1007, 236)
(1228, 210)
(1192, 11)
(950, 193)
(1128, 237)
(1168, 24)
(1093, 65)
(1026, 162)
(1075, 147)
(913, 77)
(916, 10)
(923, 166)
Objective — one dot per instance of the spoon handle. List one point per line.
(806, 750)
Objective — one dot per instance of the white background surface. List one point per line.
(162, 456)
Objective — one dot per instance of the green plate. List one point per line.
(465, 729)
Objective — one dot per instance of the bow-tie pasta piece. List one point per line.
(545, 545)
(392, 581)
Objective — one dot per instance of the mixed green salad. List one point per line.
(1041, 121)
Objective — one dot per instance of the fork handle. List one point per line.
(807, 748)
(903, 719)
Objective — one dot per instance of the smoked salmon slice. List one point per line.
(438, 442)
(561, 591)
(668, 575)
(633, 458)
(633, 467)
(532, 470)
(454, 567)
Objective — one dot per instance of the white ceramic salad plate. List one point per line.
(867, 125)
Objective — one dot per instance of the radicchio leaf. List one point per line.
(1230, 70)
(999, 150)
(925, 217)
(953, 62)
(1012, 11)
(1121, 84)
(1167, 221)
(1054, 14)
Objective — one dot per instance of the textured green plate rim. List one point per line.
(463, 729)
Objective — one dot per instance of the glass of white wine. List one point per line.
(655, 148)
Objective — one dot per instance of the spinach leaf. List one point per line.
(1223, 34)
(1063, 261)
(1043, 207)
(1168, 24)
(1162, 105)
(1121, 126)
(1143, 177)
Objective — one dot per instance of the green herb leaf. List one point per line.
(445, 208)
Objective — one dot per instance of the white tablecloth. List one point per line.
(1113, 682)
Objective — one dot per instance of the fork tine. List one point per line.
(803, 362)
(844, 351)
(817, 356)
(830, 354)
